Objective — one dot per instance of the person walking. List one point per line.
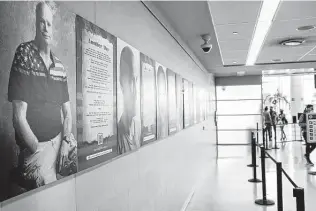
(282, 122)
(267, 123)
(274, 116)
(302, 123)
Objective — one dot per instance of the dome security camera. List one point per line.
(206, 46)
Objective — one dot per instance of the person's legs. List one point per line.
(308, 149)
(274, 130)
(39, 168)
(282, 132)
(284, 137)
(312, 147)
(269, 131)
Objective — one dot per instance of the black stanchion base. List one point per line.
(254, 180)
(266, 202)
(251, 165)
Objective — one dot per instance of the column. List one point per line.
(297, 94)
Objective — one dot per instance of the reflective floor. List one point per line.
(225, 186)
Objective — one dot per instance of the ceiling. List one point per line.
(220, 19)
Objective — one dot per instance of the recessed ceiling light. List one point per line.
(234, 62)
(292, 42)
(235, 33)
(305, 28)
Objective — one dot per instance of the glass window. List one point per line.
(238, 92)
(238, 122)
(239, 107)
(234, 137)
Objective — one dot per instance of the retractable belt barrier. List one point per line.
(298, 192)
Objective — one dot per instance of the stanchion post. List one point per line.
(254, 159)
(267, 141)
(275, 141)
(263, 137)
(257, 133)
(253, 151)
(298, 193)
(279, 185)
(264, 141)
(264, 200)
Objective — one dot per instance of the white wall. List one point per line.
(159, 176)
(238, 80)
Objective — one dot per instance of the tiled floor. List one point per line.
(225, 186)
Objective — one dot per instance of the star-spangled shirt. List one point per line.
(44, 90)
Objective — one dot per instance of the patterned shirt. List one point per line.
(44, 90)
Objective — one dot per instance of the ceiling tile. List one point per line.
(225, 32)
(287, 54)
(226, 12)
(234, 55)
(239, 61)
(313, 52)
(288, 28)
(234, 45)
(289, 10)
(309, 58)
(275, 41)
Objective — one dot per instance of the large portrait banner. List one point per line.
(194, 101)
(179, 98)
(96, 94)
(186, 103)
(162, 101)
(172, 102)
(128, 97)
(38, 138)
(191, 101)
(148, 99)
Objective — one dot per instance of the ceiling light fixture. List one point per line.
(305, 28)
(267, 12)
(234, 62)
(292, 42)
(235, 33)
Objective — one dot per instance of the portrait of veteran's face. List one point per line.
(44, 24)
(127, 81)
(162, 102)
(128, 125)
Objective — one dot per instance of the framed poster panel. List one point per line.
(162, 101)
(148, 100)
(172, 102)
(186, 104)
(45, 150)
(198, 104)
(194, 101)
(128, 97)
(179, 98)
(96, 94)
(191, 101)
